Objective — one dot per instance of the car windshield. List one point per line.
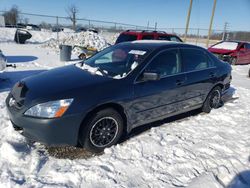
(125, 38)
(116, 61)
(226, 45)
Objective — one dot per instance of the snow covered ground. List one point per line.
(195, 150)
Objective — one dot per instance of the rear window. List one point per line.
(169, 38)
(226, 45)
(126, 38)
(164, 38)
(194, 59)
(148, 37)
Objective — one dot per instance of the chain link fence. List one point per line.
(196, 36)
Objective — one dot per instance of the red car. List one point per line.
(131, 35)
(234, 52)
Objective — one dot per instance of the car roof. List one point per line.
(135, 32)
(156, 44)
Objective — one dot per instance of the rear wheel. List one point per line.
(213, 100)
(102, 130)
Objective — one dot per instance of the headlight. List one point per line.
(52, 109)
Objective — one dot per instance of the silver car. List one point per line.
(3, 61)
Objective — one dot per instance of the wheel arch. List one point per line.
(117, 107)
(217, 84)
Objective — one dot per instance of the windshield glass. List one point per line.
(226, 45)
(116, 61)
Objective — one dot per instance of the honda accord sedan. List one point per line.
(93, 103)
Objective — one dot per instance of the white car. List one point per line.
(3, 61)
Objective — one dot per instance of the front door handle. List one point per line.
(179, 82)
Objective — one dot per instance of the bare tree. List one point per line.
(11, 17)
(45, 25)
(26, 20)
(72, 10)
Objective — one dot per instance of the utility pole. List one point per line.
(155, 26)
(211, 22)
(148, 26)
(188, 19)
(57, 28)
(225, 31)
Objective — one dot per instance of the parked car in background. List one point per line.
(33, 27)
(93, 103)
(132, 35)
(3, 61)
(81, 29)
(234, 52)
(57, 29)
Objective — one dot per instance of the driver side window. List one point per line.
(166, 63)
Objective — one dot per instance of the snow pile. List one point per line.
(7, 35)
(49, 38)
(111, 37)
(83, 39)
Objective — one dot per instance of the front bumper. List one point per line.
(52, 132)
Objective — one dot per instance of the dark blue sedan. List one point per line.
(94, 102)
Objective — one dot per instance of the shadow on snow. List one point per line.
(20, 59)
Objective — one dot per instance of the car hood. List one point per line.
(220, 51)
(57, 83)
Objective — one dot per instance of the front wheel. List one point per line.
(233, 60)
(102, 130)
(213, 100)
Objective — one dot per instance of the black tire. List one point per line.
(249, 73)
(213, 100)
(233, 60)
(102, 130)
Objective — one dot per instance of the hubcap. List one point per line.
(215, 99)
(104, 132)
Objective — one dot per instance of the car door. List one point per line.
(159, 98)
(248, 53)
(200, 73)
(242, 57)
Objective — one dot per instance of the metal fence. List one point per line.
(195, 35)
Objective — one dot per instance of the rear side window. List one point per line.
(147, 37)
(194, 59)
(166, 63)
(173, 38)
(126, 38)
(164, 37)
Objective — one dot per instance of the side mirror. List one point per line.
(150, 76)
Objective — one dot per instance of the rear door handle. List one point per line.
(212, 74)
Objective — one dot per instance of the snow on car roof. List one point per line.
(226, 45)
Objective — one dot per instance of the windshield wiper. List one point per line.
(102, 71)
